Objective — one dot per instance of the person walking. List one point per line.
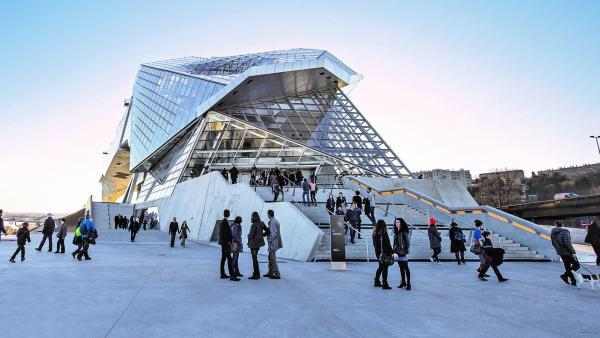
(234, 172)
(173, 231)
(340, 201)
(561, 241)
(275, 243)
(258, 230)
(22, 239)
(225, 243)
(62, 234)
(357, 199)
(47, 231)
(457, 242)
(330, 204)
(592, 237)
(134, 228)
(381, 242)
(77, 238)
(145, 222)
(236, 245)
(369, 204)
(225, 174)
(435, 241)
(352, 217)
(492, 255)
(116, 221)
(253, 172)
(88, 234)
(313, 191)
(183, 233)
(305, 192)
(2, 229)
(401, 248)
(476, 245)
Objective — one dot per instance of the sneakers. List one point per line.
(565, 279)
(482, 279)
(38, 249)
(432, 259)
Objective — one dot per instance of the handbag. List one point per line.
(234, 247)
(385, 259)
(475, 248)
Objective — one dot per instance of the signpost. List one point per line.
(338, 242)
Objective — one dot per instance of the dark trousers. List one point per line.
(173, 239)
(116, 225)
(370, 213)
(133, 233)
(49, 237)
(486, 266)
(254, 253)
(21, 249)
(84, 250)
(382, 271)
(568, 262)
(226, 256)
(353, 231)
(234, 262)
(79, 246)
(359, 227)
(233, 179)
(404, 272)
(436, 252)
(460, 256)
(313, 197)
(597, 251)
(276, 195)
(60, 245)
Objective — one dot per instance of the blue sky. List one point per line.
(463, 84)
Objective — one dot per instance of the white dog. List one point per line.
(593, 279)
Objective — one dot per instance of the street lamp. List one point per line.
(597, 144)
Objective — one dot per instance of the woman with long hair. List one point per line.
(183, 235)
(258, 230)
(236, 244)
(381, 242)
(401, 248)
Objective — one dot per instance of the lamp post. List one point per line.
(597, 144)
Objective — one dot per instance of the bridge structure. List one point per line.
(556, 209)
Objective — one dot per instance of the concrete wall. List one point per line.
(201, 202)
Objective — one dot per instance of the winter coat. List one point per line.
(352, 215)
(23, 236)
(593, 234)
(173, 228)
(48, 226)
(402, 245)
(256, 234)
(274, 239)
(305, 187)
(340, 201)
(456, 245)
(224, 233)
(561, 241)
(184, 230)
(358, 200)
(330, 204)
(384, 239)
(62, 231)
(435, 239)
(236, 236)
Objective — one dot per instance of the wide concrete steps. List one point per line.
(419, 249)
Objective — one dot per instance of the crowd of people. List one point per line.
(85, 234)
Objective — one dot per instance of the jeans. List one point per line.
(133, 233)
(21, 249)
(79, 246)
(254, 253)
(173, 239)
(382, 271)
(60, 245)
(226, 257)
(234, 262)
(273, 268)
(305, 198)
(313, 197)
(49, 237)
(568, 261)
(353, 231)
(436, 252)
(460, 256)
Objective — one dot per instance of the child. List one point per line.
(22, 236)
(493, 257)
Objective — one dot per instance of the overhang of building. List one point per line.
(116, 179)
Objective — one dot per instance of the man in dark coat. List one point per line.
(173, 231)
(225, 243)
(116, 221)
(561, 241)
(22, 238)
(592, 237)
(47, 231)
(234, 172)
(359, 204)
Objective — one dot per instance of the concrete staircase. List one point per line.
(103, 213)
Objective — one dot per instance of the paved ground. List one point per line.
(147, 289)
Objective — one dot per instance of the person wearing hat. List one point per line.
(22, 239)
(48, 230)
(491, 255)
(435, 241)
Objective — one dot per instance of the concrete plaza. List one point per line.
(147, 289)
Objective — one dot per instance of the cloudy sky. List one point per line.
(463, 84)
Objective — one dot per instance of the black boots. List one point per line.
(377, 283)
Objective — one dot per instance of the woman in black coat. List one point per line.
(457, 242)
(381, 242)
(258, 230)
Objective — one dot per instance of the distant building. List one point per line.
(516, 175)
(445, 174)
(574, 172)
